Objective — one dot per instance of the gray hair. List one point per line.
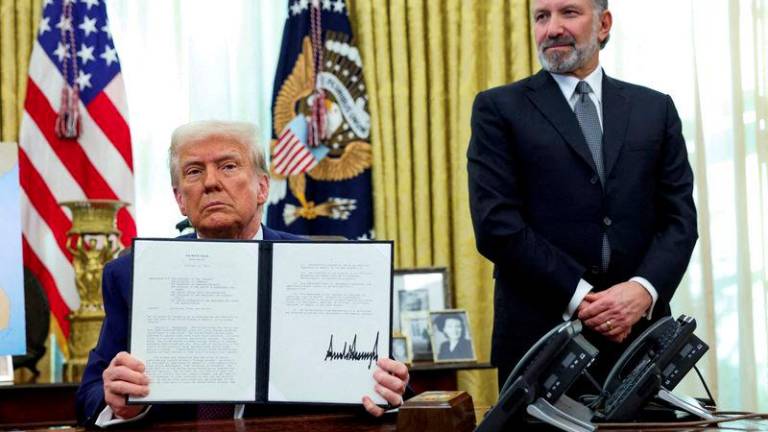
(247, 134)
(600, 7)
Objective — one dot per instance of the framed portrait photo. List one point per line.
(451, 338)
(415, 325)
(415, 290)
(401, 349)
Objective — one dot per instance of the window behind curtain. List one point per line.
(709, 55)
(186, 60)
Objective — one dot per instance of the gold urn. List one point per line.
(93, 241)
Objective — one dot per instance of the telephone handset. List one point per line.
(659, 357)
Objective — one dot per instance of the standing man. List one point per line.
(580, 193)
(220, 182)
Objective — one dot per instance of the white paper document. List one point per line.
(194, 319)
(330, 320)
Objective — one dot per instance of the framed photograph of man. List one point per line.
(421, 289)
(415, 325)
(451, 338)
(401, 349)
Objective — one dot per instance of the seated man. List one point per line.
(220, 182)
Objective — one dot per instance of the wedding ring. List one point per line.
(608, 325)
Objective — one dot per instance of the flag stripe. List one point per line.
(296, 149)
(298, 157)
(127, 226)
(116, 94)
(44, 244)
(70, 152)
(282, 145)
(41, 155)
(59, 309)
(299, 160)
(109, 120)
(45, 203)
(307, 165)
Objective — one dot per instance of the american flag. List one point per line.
(291, 155)
(95, 165)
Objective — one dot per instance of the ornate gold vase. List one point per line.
(93, 240)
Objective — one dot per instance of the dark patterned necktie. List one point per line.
(586, 113)
(215, 411)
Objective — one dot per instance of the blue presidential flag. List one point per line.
(321, 151)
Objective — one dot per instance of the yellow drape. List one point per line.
(18, 21)
(424, 62)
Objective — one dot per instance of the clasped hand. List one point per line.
(125, 377)
(614, 311)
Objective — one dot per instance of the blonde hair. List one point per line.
(244, 133)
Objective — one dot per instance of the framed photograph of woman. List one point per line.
(415, 325)
(451, 338)
(401, 349)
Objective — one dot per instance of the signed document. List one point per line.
(194, 321)
(260, 321)
(330, 320)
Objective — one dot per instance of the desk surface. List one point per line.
(336, 422)
(57, 402)
(349, 421)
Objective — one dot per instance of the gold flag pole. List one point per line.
(93, 241)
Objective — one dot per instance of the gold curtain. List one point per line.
(424, 62)
(18, 21)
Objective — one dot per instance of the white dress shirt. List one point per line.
(567, 84)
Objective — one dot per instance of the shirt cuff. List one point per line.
(107, 417)
(651, 290)
(582, 289)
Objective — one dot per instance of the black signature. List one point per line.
(349, 352)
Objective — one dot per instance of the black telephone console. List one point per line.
(541, 378)
(658, 358)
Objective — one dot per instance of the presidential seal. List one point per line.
(323, 127)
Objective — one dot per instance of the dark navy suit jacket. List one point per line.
(116, 289)
(539, 209)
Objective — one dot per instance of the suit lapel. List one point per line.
(616, 110)
(545, 94)
(269, 234)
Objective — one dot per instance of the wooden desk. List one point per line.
(343, 422)
(42, 405)
(276, 421)
(37, 405)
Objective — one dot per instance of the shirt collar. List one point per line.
(567, 83)
(259, 234)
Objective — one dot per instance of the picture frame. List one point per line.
(418, 289)
(416, 326)
(451, 336)
(6, 369)
(401, 349)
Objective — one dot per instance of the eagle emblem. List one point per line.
(343, 150)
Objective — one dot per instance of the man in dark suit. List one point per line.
(220, 182)
(580, 193)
